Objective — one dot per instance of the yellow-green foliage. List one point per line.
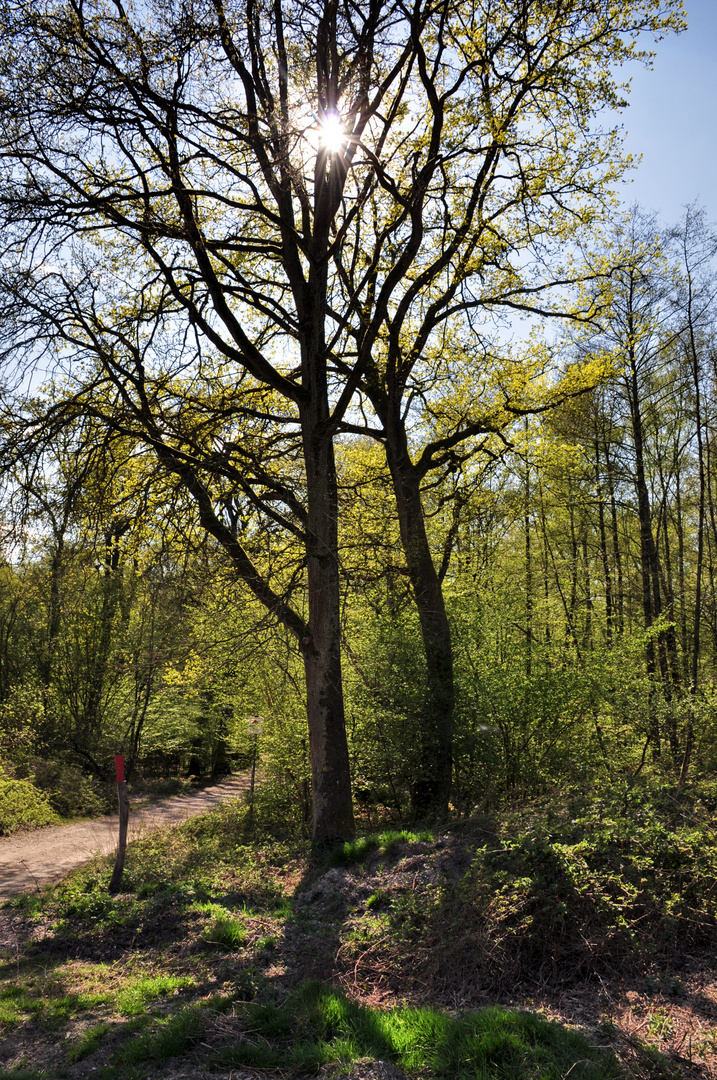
(22, 806)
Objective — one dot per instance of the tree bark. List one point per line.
(321, 645)
(679, 524)
(609, 610)
(528, 572)
(651, 605)
(617, 555)
(432, 780)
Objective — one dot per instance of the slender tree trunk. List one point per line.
(607, 575)
(617, 555)
(694, 664)
(432, 781)
(697, 617)
(571, 627)
(546, 567)
(7, 626)
(669, 637)
(570, 631)
(528, 574)
(54, 615)
(588, 636)
(681, 569)
(711, 535)
(650, 580)
(111, 591)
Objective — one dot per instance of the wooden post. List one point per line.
(255, 725)
(251, 789)
(116, 879)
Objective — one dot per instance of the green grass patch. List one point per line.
(357, 851)
(175, 1035)
(227, 931)
(318, 1025)
(56, 1011)
(88, 1043)
(378, 900)
(14, 1007)
(169, 1038)
(132, 1000)
(44, 1000)
(41, 995)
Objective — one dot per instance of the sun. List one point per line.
(332, 134)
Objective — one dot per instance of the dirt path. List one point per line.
(30, 860)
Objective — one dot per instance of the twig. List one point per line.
(366, 952)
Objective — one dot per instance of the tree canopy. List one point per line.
(236, 231)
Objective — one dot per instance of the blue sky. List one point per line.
(672, 120)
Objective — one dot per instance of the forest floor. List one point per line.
(491, 950)
(32, 859)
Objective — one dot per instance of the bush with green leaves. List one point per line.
(22, 806)
(584, 880)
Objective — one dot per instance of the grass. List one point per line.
(206, 960)
(23, 1074)
(44, 1000)
(132, 1000)
(318, 1025)
(171, 1036)
(227, 931)
(356, 851)
(89, 1042)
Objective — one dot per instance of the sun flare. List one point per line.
(332, 134)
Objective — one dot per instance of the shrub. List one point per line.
(22, 806)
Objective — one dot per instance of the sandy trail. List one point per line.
(31, 860)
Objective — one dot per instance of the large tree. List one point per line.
(229, 219)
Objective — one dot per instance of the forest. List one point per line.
(576, 549)
(339, 390)
(355, 435)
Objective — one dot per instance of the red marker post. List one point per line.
(116, 879)
(255, 724)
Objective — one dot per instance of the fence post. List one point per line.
(116, 879)
(255, 725)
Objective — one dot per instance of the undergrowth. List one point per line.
(581, 883)
(23, 806)
(208, 954)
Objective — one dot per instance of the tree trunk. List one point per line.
(711, 536)
(651, 605)
(321, 643)
(681, 569)
(528, 573)
(432, 781)
(617, 555)
(588, 634)
(54, 614)
(609, 612)
(694, 664)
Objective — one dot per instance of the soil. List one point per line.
(31, 860)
